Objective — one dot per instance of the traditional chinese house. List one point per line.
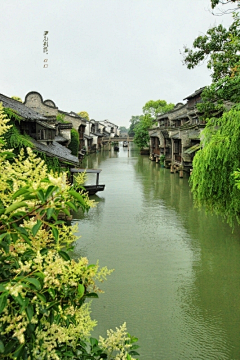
(41, 130)
(177, 135)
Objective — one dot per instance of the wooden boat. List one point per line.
(125, 144)
(91, 189)
(116, 148)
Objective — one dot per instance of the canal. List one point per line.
(177, 271)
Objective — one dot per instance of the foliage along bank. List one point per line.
(43, 309)
(212, 181)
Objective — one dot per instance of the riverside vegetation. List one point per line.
(216, 165)
(44, 307)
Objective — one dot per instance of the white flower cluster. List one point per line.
(116, 345)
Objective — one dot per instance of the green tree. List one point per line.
(214, 3)
(141, 136)
(220, 47)
(153, 108)
(123, 129)
(134, 121)
(140, 124)
(74, 144)
(84, 115)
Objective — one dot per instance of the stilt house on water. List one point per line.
(177, 135)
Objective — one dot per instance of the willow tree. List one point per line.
(212, 180)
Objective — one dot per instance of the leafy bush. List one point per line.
(74, 144)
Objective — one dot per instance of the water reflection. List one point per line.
(177, 270)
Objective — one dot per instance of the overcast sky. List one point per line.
(106, 57)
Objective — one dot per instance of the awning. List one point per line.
(155, 134)
(192, 149)
(88, 137)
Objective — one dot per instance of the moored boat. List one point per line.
(91, 189)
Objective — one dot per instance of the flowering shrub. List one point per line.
(119, 344)
(43, 313)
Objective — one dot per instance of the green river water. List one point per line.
(177, 271)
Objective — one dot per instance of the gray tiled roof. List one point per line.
(47, 125)
(20, 108)
(199, 91)
(59, 138)
(155, 134)
(88, 137)
(56, 150)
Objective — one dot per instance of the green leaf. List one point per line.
(20, 192)
(93, 342)
(41, 297)
(15, 206)
(71, 205)
(3, 302)
(2, 288)
(28, 241)
(77, 196)
(81, 290)
(51, 317)
(52, 293)
(55, 233)
(20, 300)
(29, 197)
(5, 246)
(66, 211)
(1, 347)
(29, 311)
(50, 190)
(34, 282)
(10, 346)
(2, 236)
(133, 339)
(91, 265)
(39, 274)
(14, 237)
(133, 353)
(17, 353)
(44, 251)
(21, 230)
(134, 347)
(36, 227)
(91, 295)
(49, 213)
(64, 255)
(41, 196)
